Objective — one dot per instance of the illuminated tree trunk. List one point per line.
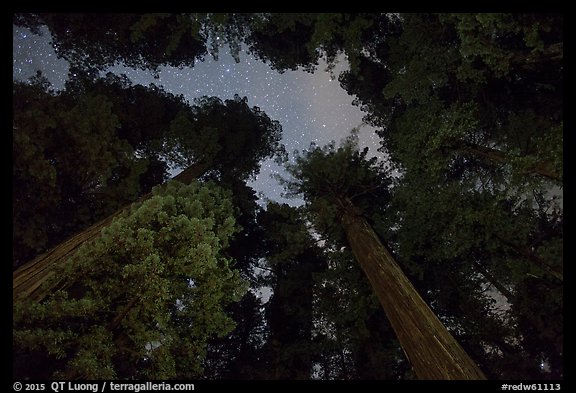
(28, 281)
(430, 348)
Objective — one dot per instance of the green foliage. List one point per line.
(454, 231)
(499, 41)
(541, 337)
(237, 355)
(97, 41)
(478, 35)
(228, 135)
(541, 149)
(326, 176)
(282, 40)
(147, 41)
(419, 69)
(355, 337)
(146, 295)
(298, 40)
(286, 234)
(469, 109)
(293, 258)
(336, 329)
(350, 326)
(96, 146)
(70, 167)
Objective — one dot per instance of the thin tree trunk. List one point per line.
(493, 281)
(535, 259)
(430, 348)
(292, 301)
(29, 280)
(495, 155)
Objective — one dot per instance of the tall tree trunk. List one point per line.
(493, 281)
(29, 280)
(495, 155)
(430, 348)
(292, 301)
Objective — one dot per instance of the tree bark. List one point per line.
(30, 280)
(430, 348)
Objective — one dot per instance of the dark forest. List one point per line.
(439, 259)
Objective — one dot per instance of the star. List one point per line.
(308, 108)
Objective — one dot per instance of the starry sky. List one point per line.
(310, 107)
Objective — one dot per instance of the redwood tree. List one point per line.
(336, 183)
(142, 299)
(227, 139)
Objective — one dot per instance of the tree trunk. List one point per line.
(495, 155)
(430, 348)
(29, 280)
(529, 255)
(292, 300)
(493, 281)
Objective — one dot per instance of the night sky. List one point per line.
(310, 107)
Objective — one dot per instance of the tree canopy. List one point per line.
(95, 41)
(84, 152)
(464, 213)
(144, 297)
